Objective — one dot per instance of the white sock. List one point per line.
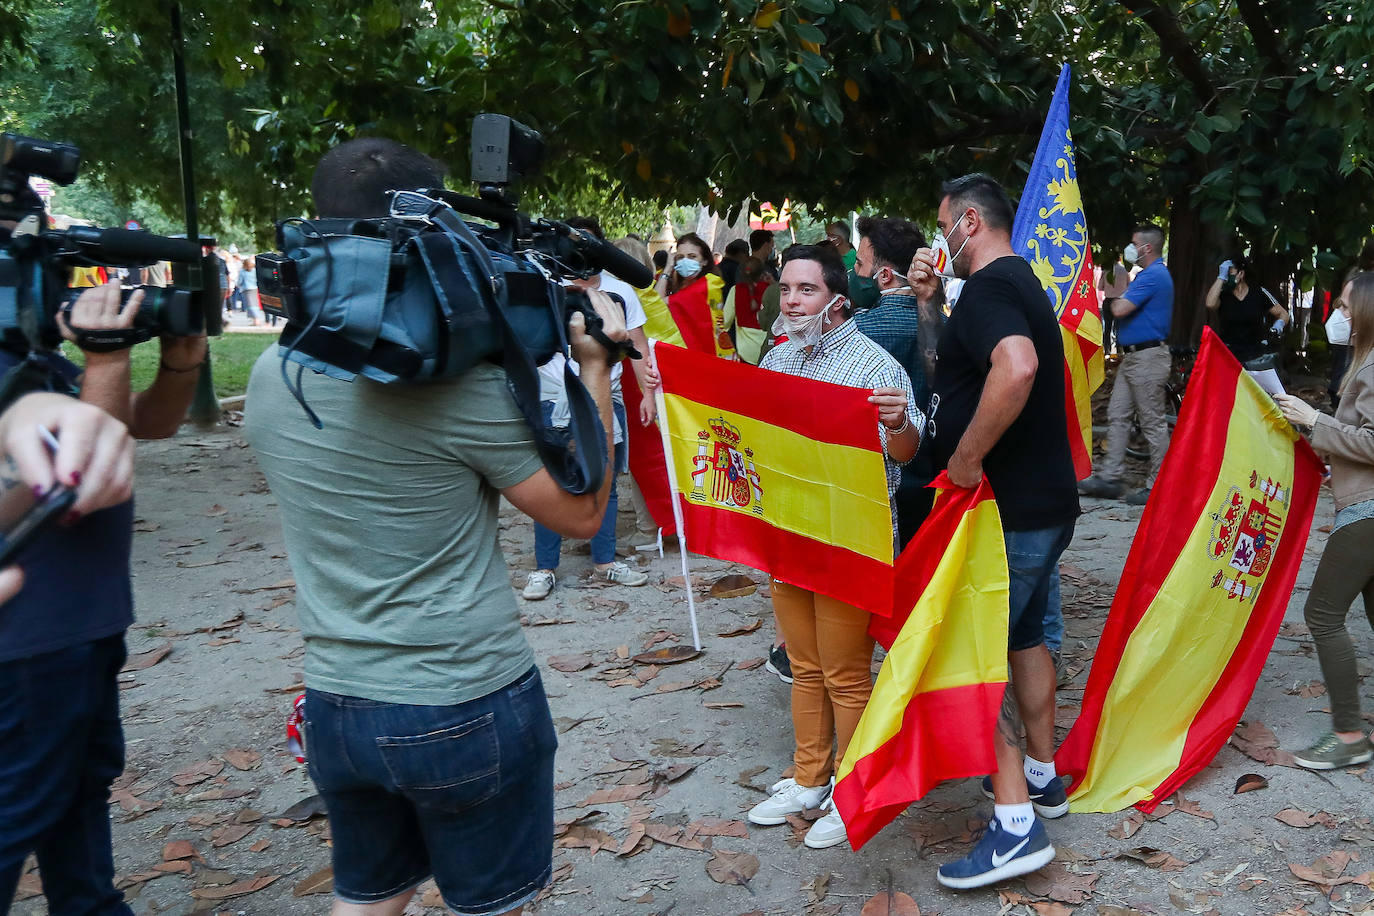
(1039, 773)
(1017, 819)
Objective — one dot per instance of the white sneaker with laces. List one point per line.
(538, 585)
(829, 830)
(790, 798)
(622, 574)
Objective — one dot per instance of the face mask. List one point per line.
(944, 261)
(1132, 253)
(805, 331)
(686, 267)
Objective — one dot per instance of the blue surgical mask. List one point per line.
(686, 267)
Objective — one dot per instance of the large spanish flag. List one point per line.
(934, 708)
(659, 324)
(1201, 597)
(1051, 232)
(784, 474)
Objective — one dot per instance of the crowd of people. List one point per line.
(429, 736)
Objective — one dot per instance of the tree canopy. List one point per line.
(1236, 122)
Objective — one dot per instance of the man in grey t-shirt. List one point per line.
(427, 729)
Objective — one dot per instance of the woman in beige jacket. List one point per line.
(1347, 564)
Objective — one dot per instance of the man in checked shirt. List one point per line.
(827, 640)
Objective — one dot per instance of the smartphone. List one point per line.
(51, 507)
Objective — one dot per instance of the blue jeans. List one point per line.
(61, 746)
(548, 544)
(1033, 568)
(463, 793)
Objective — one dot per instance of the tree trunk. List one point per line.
(1193, 248)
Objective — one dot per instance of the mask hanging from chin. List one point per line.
(806, 330)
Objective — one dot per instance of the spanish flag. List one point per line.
(698, 312)
(934, 708)
(659, 324)
(1051, 232)
(781, 473)
(1201, 597)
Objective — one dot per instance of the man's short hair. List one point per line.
(589, 223)
(833, 273)
(758, 238)
(984, 194)
(1153, 235)
(841, 225)
(352, 179)
(660, 259)
(737, 250)
(894, 241)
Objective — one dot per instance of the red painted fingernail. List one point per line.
(76, 478)
(39, 490)
(71, 518)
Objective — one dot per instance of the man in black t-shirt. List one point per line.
(998, 410)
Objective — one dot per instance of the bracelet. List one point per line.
(906, 424)
(162, 364)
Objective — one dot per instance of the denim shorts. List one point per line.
(1032, 560)
(463, 793)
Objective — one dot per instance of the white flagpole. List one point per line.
(677, 509)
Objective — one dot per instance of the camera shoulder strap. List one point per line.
(579, 466)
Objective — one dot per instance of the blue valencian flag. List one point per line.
(1051, 232)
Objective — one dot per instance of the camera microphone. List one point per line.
(133, 245)
(605, 256)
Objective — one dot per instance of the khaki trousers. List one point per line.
(1139, 389)
(831, 655)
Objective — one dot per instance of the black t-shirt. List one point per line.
(1030, 468)
(1242, 322)
(76, 578)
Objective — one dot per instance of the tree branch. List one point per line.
(1262, 33)
(1174, 44)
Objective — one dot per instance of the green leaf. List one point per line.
(818, 6)
(1198, 141)
(808, 32)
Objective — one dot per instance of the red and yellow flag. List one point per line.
(781, 473)
(934, 708)
(1051, 232)
(1201, 597)
(698, 312)
(648, 464)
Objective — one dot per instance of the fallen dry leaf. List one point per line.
(890, 904)
(241, 758)
(733, 586)
(588, 837)
(1256, 741)
(1296, 818)
(237, 889)
(148, 659)
(723, 705)
(742, 630)
(321, 882)
(226, 836)
(677, 836)
(309, 807)
(1127, 828)
(616, 794)
(177, 849)
(669, 655)
(750, 664)
(1154, 858)
(260, 845)
(1250, 782)
(728, 867)
(718, 826)
(579, 661)
(197, 772)
(1058, 883)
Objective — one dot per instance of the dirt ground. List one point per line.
(658, 764)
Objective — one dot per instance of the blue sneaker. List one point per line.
(999, 855)
(1050, 802)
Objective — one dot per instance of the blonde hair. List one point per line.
(635, 249)
(1361, 303)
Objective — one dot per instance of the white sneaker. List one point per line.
(620, 573)
(829, 830)
(538, 585)
(790, 798)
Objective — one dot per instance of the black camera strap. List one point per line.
(578, 466)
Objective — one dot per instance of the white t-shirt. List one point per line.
(551, 373)
(1338, 329)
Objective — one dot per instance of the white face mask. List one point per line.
(806, 330)
(687, 267)
(1132, 253)
(944, 261)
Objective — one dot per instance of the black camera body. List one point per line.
(36, 261)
